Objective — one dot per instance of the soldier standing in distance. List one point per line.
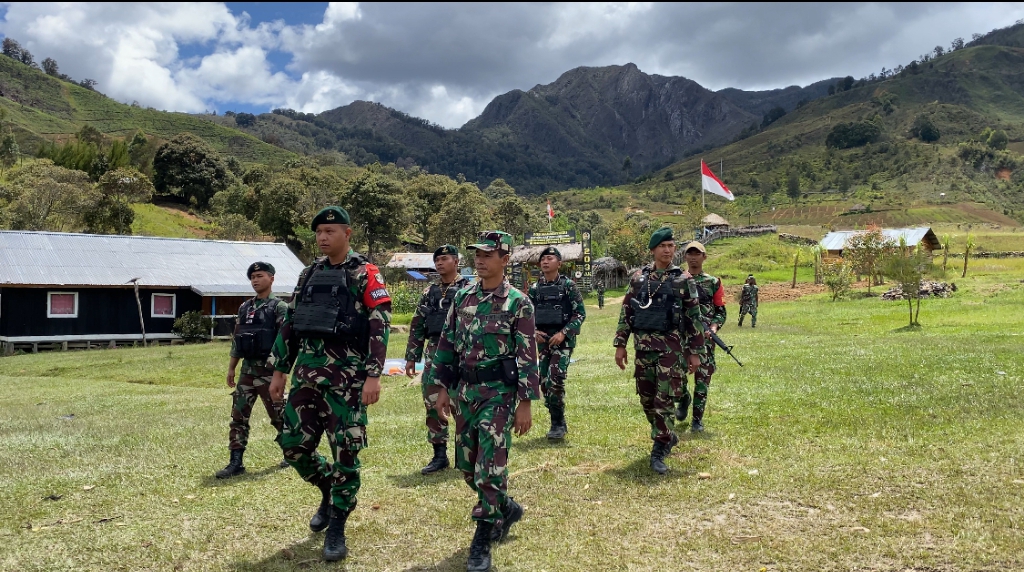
(336, 335)
(487, 360)
(712, 310)
(427, 322)
(256, 326)
(559, 314)
(661, 311)
(599, 286)
(748, 301)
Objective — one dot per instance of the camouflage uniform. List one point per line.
(659, 362)
(600, 294)
(255, 378)
(748, 304)
(554, 362)
(712, 310)
(484, 331)
(327, 385)
(437, 426)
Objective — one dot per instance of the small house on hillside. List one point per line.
(79, 288)
(417, 265)
(713, 222)
(918, 237)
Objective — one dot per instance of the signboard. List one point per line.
(587, 267)
(544, 238)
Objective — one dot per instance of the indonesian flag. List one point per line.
(551, 212)
(713, 184)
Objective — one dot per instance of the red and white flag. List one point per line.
(713, 184)
(551, 212)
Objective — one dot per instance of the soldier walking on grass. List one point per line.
(559, 314)
(425, 330)
(660, 309)
(256, 326)
(486, 362)
(712, 310)
(599, 286)
(336, 335)
(748, 301)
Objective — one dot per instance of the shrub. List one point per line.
(404, 297)
(847, 135)
(193, 326)
(838, 277)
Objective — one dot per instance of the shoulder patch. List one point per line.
(376, 293)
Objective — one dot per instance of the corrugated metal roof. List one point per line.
(836, 240)
(210, 267)
(411, 260)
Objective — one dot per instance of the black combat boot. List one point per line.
(440, 460)
(682, 408)
(658, 452)
(235, 466)
(558, 428)
(672, 444)
(322, 517)
(511, 513)
(740, 324)
(334, 540)
(283, 464)
(698, 412)
(480, 548)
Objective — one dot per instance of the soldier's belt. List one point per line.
(477, 376)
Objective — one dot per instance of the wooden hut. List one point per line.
(610, 272)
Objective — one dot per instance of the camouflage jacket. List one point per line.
(690, 332)
(258, 367)
(484, 328)
(418, 339)
(335, 362)
(579, 311)
(749, 295)
(712, 299)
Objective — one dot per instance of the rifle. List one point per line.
(718, 342)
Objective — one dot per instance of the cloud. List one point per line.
(444, 62)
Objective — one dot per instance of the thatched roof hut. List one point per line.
(713, 221)
(611, 272)
(531, 254)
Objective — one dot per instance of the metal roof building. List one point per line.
(834, 242)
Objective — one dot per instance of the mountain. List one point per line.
(760, 102)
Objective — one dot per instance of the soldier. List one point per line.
(661, 311)
(336, 335)
(712, 310)
(599, 286)
(427, 322)
(487, 359)
(559, 313)
(256, 325)
(748, 301)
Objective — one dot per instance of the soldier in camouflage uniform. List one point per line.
(712, 309)
(748, 301)
(599, 286)
(661, 311)
(425, 330)
(256, 326)
(486, 362)
(336, 335)
(559, 312)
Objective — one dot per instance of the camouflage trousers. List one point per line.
(748, 309)
(483, 437)
(243, 398)
(554, 368)
(657, 373)
(313, 410)
(600, 300)
(701, 384)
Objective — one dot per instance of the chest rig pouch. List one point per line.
(654, 307)
(326, 309)
(437, 309)
(256, 331)
(552, 308)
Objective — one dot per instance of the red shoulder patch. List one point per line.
(376, 293)
(719, 298)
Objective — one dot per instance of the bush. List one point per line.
(193, 326)
(847, 135)
(838, 276)
(404, 297)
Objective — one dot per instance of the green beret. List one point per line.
(330, 215)
(661, 235)
(446, 249)
(492, 240)
(552, 251)
(260, 267)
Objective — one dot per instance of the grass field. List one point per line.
(846, 443)
(156, 220)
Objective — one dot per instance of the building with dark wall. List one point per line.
(61, 288)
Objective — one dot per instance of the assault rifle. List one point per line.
(718, 342)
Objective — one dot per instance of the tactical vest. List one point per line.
(257, 329)
(437, 307)
(552, 306)
(326, 309)
(657, 313)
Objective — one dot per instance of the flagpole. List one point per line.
(702, 205)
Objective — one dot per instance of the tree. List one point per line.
(847, 135)
(947, 241)
(967, 253)
(50, 67)
(426, 195)
(865, 251)
(773, 115)
(9, 151)
(957, 44)
(846, 83)
(499, 189)
(627, 166)
(831, 90)
(793, 186)
(375, 203)
(245, 119)
(924, 129)
(511, 215)
(237, 199)
(12, 49)
(838, 277)
(905, 266)
(188, 167)
(119, 189)
(462, 215)
(236, 227)
(278, 214)
(89, 134)
(627, 240)
(44, 196)
(998, 140)
(938, 51)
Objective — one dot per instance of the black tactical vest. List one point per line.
(326, 309)
(657, 313)
(437, 307)
(256, 330)
(552, 306)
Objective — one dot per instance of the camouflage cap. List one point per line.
(260, 267)
(330, 215)
(695, 244)
(489, 240)
(551, 250)
(661, 235)
(446, 249)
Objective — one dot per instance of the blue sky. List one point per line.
(445, 62)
